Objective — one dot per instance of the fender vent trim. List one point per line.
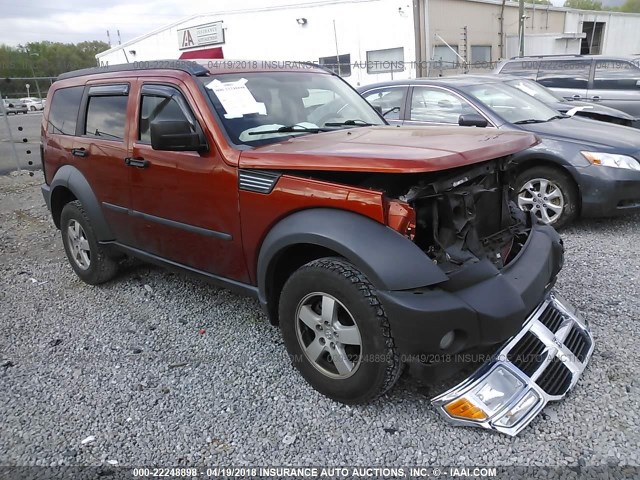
(259, 181)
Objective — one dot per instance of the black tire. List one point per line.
(32, 108)
(101, 267)
(556, 178)
(378, 363)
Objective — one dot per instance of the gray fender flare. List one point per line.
(389, 260)
(71, 178)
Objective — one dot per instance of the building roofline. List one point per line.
(308, 4)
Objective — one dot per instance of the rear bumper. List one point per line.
(488, 311)
(608, 191)
(542, 363)
(46, 193)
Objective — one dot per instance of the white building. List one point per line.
(375, 40)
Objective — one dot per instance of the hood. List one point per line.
(592, 108)
(585, 131)
(388, 149)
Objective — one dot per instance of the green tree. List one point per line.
(540, 2)
(583, 4)
(631, 6)
(42, 59)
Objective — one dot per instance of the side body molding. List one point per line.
(71, 178)
(389, 260)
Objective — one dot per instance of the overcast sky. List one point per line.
(72, 21)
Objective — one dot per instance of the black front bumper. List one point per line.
(481, 305)
(608, 191)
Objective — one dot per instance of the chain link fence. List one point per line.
(23, 100)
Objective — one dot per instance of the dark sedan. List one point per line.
(581, 166)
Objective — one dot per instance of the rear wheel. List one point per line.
(549, 193)
(336, 331)
(87, 257)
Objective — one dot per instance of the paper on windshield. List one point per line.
(236, 98)
(575, 110)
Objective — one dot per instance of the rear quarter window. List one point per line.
(524, 68)
(564, 73)
(63, 114)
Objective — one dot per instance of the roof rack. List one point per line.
(188, 66)
(547, 56)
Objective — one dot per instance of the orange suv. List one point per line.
(373, 247)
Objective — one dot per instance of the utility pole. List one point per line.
(521, 27)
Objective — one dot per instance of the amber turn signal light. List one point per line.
(463, 408)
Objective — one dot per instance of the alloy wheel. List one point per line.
(544, 198)
(328, 335)
(79, 245)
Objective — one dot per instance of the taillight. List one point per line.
(44, 173)
(401, 217)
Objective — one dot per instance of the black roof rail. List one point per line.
(188, 66)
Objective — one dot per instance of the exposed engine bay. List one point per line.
(460, 216)
(467, 216)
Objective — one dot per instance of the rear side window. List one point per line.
(616, 75)
(564, 73)
(63, 115)
(106, 116)
(524, 68)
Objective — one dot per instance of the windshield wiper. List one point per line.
(530, 120)
(290, 129)
(349, 123)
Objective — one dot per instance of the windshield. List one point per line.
(535, 90)
(253, 106)
(510, 103)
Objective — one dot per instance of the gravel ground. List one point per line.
(158, 369)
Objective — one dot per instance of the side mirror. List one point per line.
(472, 120)
(177, 136)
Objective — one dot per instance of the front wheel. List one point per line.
(337, 333)
(549, 193)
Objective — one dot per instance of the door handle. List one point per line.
(79, 152)
(595, 98)
(136, 162)
(576, 97)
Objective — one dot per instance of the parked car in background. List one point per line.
(611, 81)
(580, 108)
(581, 166)
(33, 103)
(11, 105)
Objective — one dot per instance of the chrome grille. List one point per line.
(527, 354)
(258, 180)
(578, 342)
(551, 318)
(556, 378)
(547, 357)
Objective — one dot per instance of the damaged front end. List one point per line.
(496, 310)
(465, 215)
